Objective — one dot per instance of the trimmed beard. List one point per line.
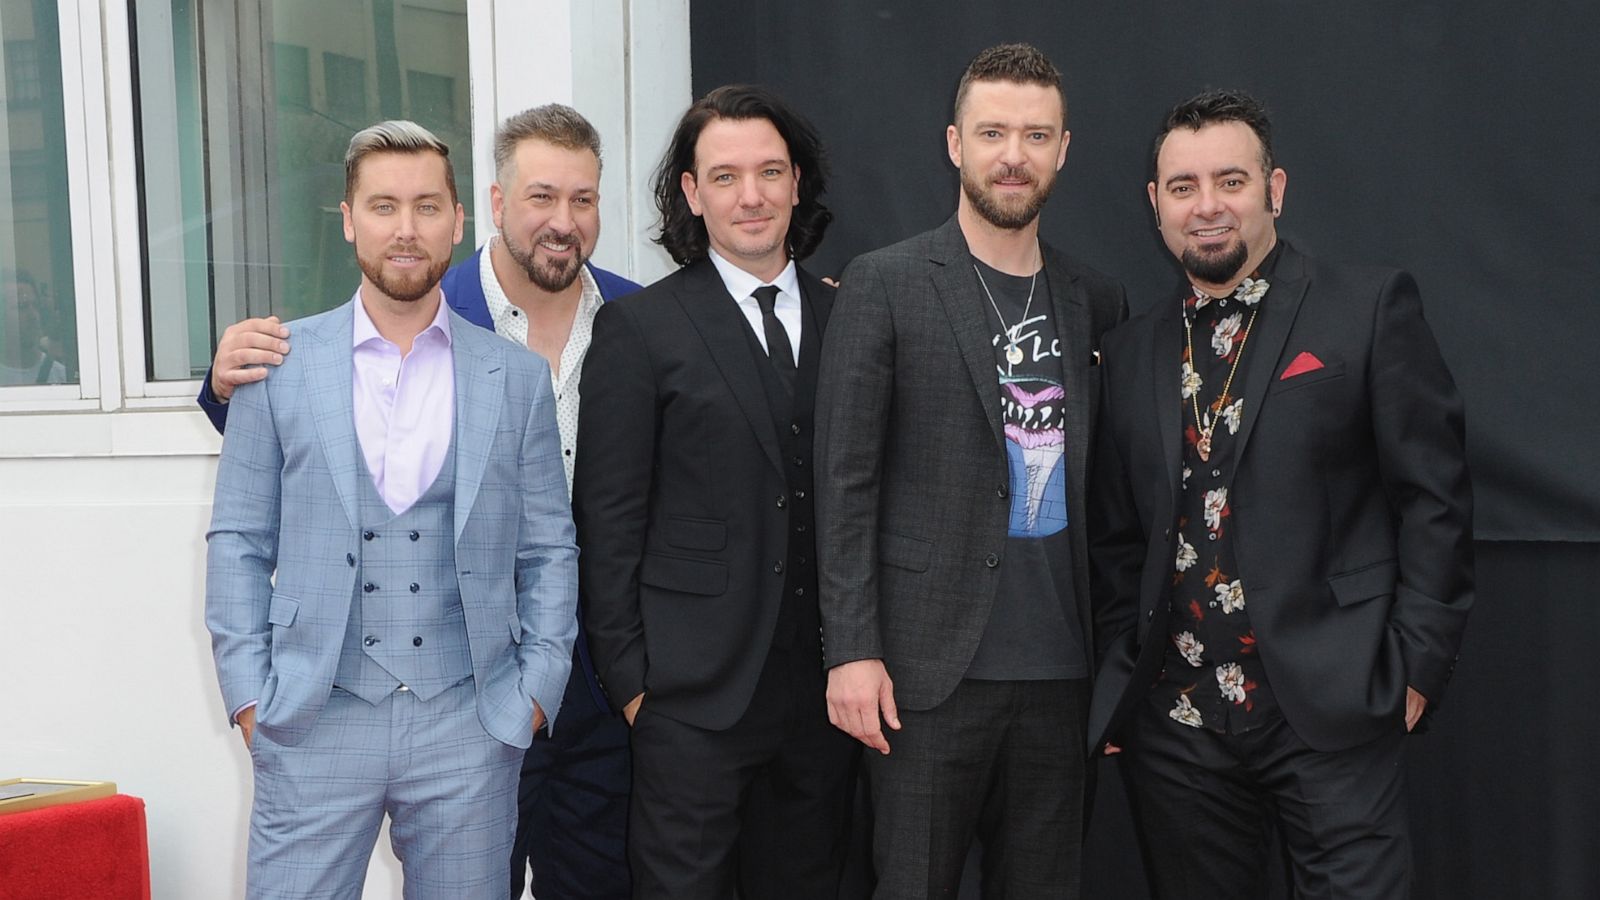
(405, 289)
(1215, 268)
(993, 211)
(548, 276)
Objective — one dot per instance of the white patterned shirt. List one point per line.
(511, 324)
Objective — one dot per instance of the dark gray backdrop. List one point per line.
(1456, 140)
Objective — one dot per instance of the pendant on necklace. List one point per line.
(1013, 354)
(1203, 447)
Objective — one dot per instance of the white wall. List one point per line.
(105, 665)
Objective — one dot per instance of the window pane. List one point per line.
(38, 319)
(245, 112)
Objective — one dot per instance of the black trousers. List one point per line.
(760, 811)
(999, 761)
(572, 804)
(1204, 803)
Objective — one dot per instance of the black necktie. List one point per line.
(778, 349)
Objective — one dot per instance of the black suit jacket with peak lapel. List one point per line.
(681, 495)
(912, 479)
(1351, 503)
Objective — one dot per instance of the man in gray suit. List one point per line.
(391, 576)
(957, 389)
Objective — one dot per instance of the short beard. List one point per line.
(992, 211)
(550, 277)
(402, 289)
(1215, 268)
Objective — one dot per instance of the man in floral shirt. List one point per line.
(1280, 537)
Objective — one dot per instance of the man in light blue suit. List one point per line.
(391, 573)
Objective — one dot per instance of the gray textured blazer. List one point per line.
(912, 480)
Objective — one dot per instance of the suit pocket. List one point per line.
(1365, 583)
(686, 576)
(902, 552)
(1328, 372)
(696, 534)
(282, 610)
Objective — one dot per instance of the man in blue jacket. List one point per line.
(532, 284)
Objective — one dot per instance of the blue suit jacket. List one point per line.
(463, 291)
(287, 504)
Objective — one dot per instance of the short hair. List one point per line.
(394, 136)
(555, 124)
(1016, 63)
(1214, 107)
(683, 233)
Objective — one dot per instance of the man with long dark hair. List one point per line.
(693, 499)
(958, 389)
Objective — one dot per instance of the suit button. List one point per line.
(351, 559)
(415, 536)
(799, 560)
(991, 560)
(416, 642)
(415, 587)
(1166, 532)
(1001, 492)
(799, 592)
(369, 587)
(369, 640)
(367, 535)
(799, 495)
(1216, 473)
(794, 427)
(777, 567)
(782, 502)
(799, 461)
(801, 528)
(1149, 614)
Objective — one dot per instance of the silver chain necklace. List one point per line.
(1013, 352)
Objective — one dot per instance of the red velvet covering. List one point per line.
(97, 848)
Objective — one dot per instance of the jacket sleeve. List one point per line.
(242, 548)
(1418, 426)
(547, 558)
(612, 481)
(855, 390)
(215, 409)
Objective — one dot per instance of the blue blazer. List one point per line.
(287, 506)
(463, 291)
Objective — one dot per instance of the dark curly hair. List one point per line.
(1215, 107)
(683, 233)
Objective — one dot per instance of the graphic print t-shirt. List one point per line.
(1030, 637)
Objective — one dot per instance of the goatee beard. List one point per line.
(551, 277)
(997, 214)
(1215, 268)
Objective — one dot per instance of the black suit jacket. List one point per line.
(680, 496)
(912, 480)
(1351, 503)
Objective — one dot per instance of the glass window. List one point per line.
(38, 318)
(244, 113)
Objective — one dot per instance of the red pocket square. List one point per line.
(1302, 364)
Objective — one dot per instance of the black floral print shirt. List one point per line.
(1212, 676)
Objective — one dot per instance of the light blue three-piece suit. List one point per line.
(394, 658)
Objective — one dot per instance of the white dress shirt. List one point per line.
(742, 285)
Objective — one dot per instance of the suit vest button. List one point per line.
(369, 640)
(415, 587)
(415, 536)
(991, 561)
(777, 567)
(369, 587)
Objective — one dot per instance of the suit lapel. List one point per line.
(1070, 309)
(330, 384)
(1280, 306)
(1166, 390)
(722, 327)
(955, 284)
(480, 385)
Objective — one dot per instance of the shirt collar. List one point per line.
(741, 284)
(500, 306)
(365, 331)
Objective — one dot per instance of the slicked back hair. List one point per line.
(1214, 107)
(394, 136)
(1016, 63)
(555, 124)
(683, 233)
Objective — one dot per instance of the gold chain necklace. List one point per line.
(1203, 444)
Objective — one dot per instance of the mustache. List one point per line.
(1012, 173)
